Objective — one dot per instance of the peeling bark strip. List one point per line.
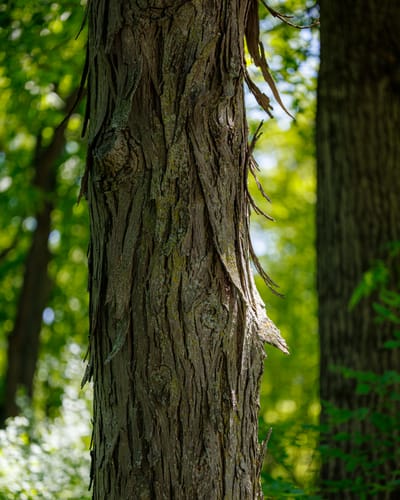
(176, 323)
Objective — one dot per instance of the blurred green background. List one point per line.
(44, 451)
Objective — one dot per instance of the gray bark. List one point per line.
(175, 319)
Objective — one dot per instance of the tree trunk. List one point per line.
(24, 339)
(176, 322)
(358, 204)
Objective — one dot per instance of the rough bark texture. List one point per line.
(24, 339)
(175, 348)
(358, 200)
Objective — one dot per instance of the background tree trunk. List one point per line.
(175, 347)
(358, 200)
(24, 339)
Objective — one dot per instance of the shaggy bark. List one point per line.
(358, 205)
(175, 319)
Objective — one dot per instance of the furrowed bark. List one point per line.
(175, 319)
(357, 212)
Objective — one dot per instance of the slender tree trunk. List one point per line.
(175, 347)
(358, 204)
(24, 339)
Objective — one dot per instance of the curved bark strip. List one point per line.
(176, 322)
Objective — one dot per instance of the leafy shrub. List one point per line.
(49, 458)
(382, 419)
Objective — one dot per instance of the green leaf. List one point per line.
(363, 389)
(392, 344)
(385, 313)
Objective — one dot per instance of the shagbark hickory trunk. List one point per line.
(176, 322)
(358, 205)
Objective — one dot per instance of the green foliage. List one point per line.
(40, 65)
(44, 453)
(285, 154)
(382, 418)
(48, 458)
